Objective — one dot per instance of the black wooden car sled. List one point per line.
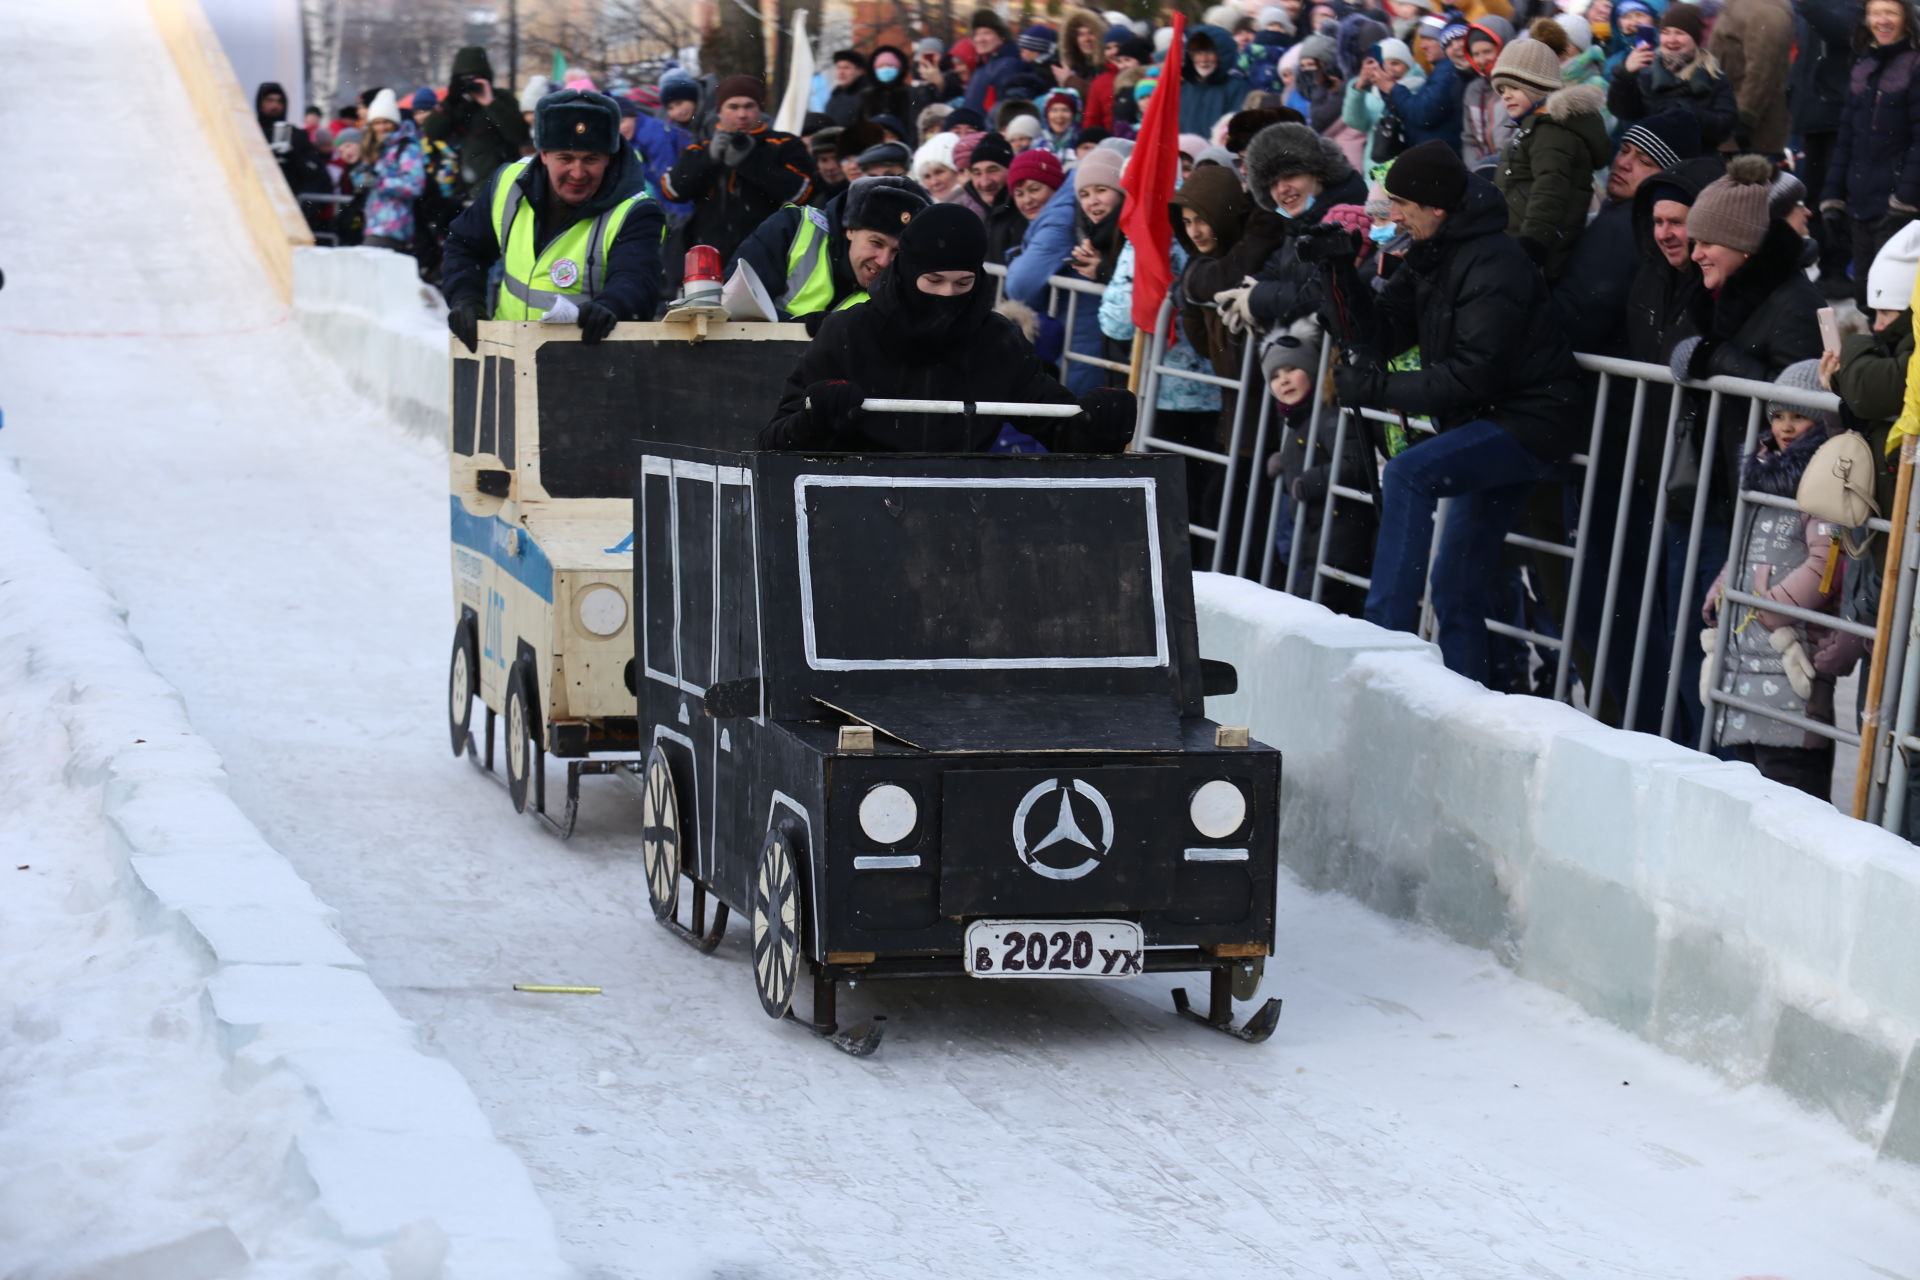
(941, 716)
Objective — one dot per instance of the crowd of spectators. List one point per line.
(1458, 198)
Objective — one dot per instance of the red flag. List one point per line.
(1152, 174)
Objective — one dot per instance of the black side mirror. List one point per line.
(733, 699)
(494, 484)
(1218, 678)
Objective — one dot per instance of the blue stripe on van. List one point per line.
(495, 539)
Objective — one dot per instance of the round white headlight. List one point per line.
(888, 814)
(1217, 809)
(603, 610)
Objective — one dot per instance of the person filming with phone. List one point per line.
(301, 163)
(479, 122)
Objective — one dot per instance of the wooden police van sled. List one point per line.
(922, 716)
(540, 441)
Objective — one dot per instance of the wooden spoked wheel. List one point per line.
(660, 836)
(776, 925)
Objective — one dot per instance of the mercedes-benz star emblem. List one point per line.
(1052, 819)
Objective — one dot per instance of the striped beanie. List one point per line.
(1667, 137)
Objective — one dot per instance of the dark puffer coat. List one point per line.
(1490, 341)
(1653, 89)
(1876, 157)
(484, 138)
(1285, 290)
(892, 353)
(1659, 301)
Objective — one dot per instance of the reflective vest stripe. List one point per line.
(809, 268)
(586, 243)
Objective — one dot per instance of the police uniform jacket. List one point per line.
(632, 285)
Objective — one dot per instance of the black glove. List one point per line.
(1310, 486)
(1111, 415)
(463, 318)
(690, 172)
(832, 405)
(1358, 386)
(1326, 242)
(596, 321)
(1536, 252)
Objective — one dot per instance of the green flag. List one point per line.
(559, 68)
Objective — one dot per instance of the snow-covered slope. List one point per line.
(281, 549)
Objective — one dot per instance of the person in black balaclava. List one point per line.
(301, 163)
(931, 333)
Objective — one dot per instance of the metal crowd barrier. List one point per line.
(1306, 569)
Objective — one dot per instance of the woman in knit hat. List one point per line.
(1775, 661)
(930, 332)
(1679, 72)
(1752, 317)
(1097, 238)
(1032, 178)
(935, 168)
(1559, 139)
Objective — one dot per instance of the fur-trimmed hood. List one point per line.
(1280, 149)
(1070, 57)
(1562, 105)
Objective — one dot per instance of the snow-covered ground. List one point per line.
(282, 553)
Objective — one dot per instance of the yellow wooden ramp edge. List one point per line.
(260, 195)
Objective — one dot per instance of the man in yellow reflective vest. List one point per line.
(577, 238)
(813, 261)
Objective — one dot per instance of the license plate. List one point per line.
(1054, 949)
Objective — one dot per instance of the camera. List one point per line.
(463, 87)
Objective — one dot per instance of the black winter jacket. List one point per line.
(633, 282)
(1659, 301)
(1654, 89)
(1591, 294)
(1491, 345)
(878, 346)
(1877, 154)
(729, 203)
(1286, 288)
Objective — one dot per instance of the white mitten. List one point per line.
(564, 312)
(1232, 305)
(1710, 664)
(1794, 659)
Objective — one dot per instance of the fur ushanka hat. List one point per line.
(1282, 150)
